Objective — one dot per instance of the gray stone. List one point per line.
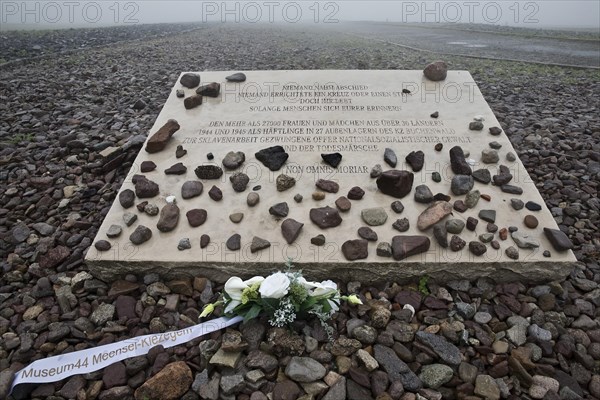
(259, 244)
(455, 226)
(290, 229)
(191, 189)
(305, 369)
(374, 216)
(389, 156)
(423, 194)
(102, 314)
(140, 235)
(524, 240)
(461, 184)
(129, 218)
(396, 368)
(114, 231)
(384, 249)
(435, 375)
(448, 352)
(234, 159)
(184, 244)
(489, 156)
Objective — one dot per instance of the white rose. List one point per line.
(324, 288)
(275, 286)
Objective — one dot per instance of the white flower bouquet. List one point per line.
(283, 296)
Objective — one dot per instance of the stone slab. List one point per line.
(355, 113)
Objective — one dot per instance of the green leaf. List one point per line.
(253, 312)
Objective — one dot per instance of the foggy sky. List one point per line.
(30, 14)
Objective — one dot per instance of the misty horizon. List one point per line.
(21, 15)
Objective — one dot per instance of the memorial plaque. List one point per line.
(316, 116)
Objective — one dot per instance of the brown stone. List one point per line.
(170, 383)
(406, 246)
(433, 214)
(54, 257)
(396, 183)
(530, 221)
(158, 141)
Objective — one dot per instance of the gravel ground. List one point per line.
(468, 340)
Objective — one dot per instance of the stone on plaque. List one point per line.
(356, 193)
(397, 207)
(191, 189)
(404, 246)
(376, 171)
(196, 217)
(434, 114)
(512, 252)
(517, 204)
(180, 93)
(559, 240)
(145, 188)
(176, 169)
(239, 181)
(441, 234)
(476, 126)
(472, 198)
(511, 189)
(169, 217)
(395, 183)
(237, 77)
(423, 194)
(328, 186)
(298, 198)
(184, 244)
(272, 157)
(234, 159)
(127, 198)
(290, 229)
(236, 218)
(367, 233)
(482, 175)
(333, 159)
(158, 141)
(129, 218)
(525, 240)
(457, 243)
(280, 210)
(458, 162)
(192, 101)
(209, 90)
(318, 240)
(151, 209)
(204, 241)
(357, 249)
(533, 206)
(208, 172)
(477, 248)
(234, 242)
(147, 166)
(489, 156)
(259, 244)
(455, 226)
(436, 71)
(190, 80)
(416, 159)
(343, 204)
(318, 195)
(374, 216)
(472, 223)
(252, 199)
(494, 130)
(114, 231)
(389, 156)
(140, 235)
(215, 193)
(433, 214)
(461, 184)
(384, 249)
(284, 182)
(488, 215)
(325, 217)
(401, 225)
(180, 152)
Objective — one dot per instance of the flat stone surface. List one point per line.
(355, 122)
